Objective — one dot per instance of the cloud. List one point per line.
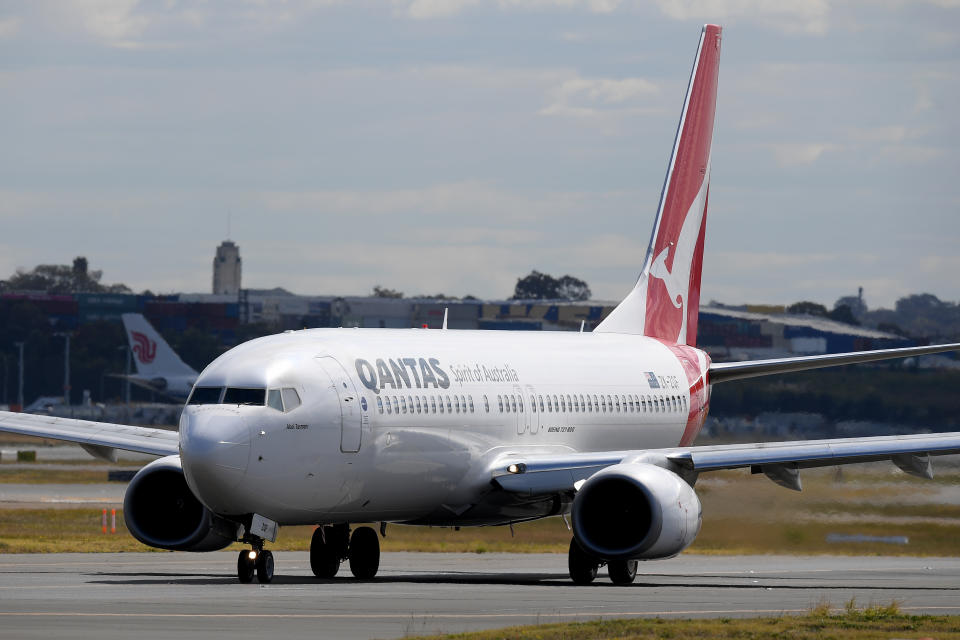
(601, 98)
(800, 154)
(790, 16)
(9, 27)
(114, 21)
(433, 9)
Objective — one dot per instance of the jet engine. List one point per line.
(635, 511)
(161, 511)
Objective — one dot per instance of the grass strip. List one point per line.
(850, 623)
(79, 530)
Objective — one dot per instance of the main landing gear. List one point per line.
(333, 544)
(257, 560)
(583, 567)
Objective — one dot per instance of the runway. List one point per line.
(180, 595)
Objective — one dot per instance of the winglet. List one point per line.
(666, 299)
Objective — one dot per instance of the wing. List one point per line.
(780, 461)
(98, 438)
(726, 371)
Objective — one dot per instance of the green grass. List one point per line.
(15, 475)
(849, 623)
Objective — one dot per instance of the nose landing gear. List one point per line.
(257, 560)
(333, 544)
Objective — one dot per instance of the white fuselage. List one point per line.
(404, 425)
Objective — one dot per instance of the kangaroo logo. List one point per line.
(144, 348)
(675, 288)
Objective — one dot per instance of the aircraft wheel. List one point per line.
(622, 572)
(324, 558)
(364, 553)
(265, 567)
(245, 567)
(583, 567)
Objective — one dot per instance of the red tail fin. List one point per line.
(666, 299)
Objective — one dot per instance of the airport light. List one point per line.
(66, 366)
(19, 345)
(126, 381)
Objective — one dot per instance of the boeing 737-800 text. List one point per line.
(341, 426)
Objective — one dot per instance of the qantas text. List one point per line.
(400, 373)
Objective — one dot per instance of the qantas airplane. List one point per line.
(159, 368)
(334, 427)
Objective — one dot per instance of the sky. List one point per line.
(452, 146)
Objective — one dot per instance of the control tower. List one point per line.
(226, 269)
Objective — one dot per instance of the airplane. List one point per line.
(159, 368)
(335, 427)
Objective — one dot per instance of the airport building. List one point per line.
(226, 269)
(728, 333)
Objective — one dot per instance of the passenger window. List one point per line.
(471, 403)
(403, 404)
(540, 398)
(596, 407)
(500, 402)
(533, 404)
(513, 403)
(274, 401)
(486, 403)
(456, 403)
(449, 405)
(396, 405)
(603, 404)
(549, 404)
(380, 405)
(556, 404)
(433, 404)
(563, 404)
(387, 404)
(441, 404)
(520, 403)
(418, 405)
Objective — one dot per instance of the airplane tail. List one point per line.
(665, 301)
(151, 353)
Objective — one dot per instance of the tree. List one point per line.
(383, 292)
(844, 314)
(571, 288)
(62, 278)
(807, 308)
(542, 286)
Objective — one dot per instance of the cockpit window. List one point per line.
(291, 399)
(205, 395)
(239, 396)
(273, 399)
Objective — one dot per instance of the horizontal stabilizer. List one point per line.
(726, 371)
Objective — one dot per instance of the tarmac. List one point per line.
(182, 595)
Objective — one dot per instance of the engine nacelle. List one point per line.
(161, 511)
(635, 511)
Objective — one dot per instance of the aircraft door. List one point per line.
(523, 417)
(533, 413)
(352, 414)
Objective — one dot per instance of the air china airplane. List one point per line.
(463, 428)
(159, 368)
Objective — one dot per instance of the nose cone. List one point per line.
(215, 452)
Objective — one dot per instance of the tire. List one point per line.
(583, 568)
(364, 553)
(245, 567)
(324, 559)
(265, 567)
(622, 572)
